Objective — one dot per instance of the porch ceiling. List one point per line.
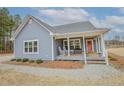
(79, 34)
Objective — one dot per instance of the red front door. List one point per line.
(89, 46)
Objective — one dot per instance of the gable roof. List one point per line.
(61, 29)
(76, 27)
(46, 26)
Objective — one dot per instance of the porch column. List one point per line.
(99, 47)
(103, 45)
(52, 47)
(84, 48)
(68, 45)
(96, 45)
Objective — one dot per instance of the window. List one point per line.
(74, 44)
(31, 46)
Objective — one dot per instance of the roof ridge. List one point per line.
(73, 23)
(41, 21)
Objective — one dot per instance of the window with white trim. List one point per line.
(74, 44)
(31, 46)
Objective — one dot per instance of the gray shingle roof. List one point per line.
(73, 27)
(45, 24)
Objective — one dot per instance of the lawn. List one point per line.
(11, 77)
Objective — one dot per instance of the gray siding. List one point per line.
(30, 32)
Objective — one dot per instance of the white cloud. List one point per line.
(65, 15)
(121, 9)
(98, 23)
(118, 30)
(114, 20)
(55, 16)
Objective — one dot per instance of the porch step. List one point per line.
(96, 62)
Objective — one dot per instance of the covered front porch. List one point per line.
(79, 57)
(80, 46)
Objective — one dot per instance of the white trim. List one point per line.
(99, 45)
(68, 41)
(74, 42)
(14, 48)
(20, 28)
(32, 50)
(43, 26)
(84, 47)
(92, 45)
(103, 46)
(96, 44)
(52, 38)
(93, 31)
(24, 23)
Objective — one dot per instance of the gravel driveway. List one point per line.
(90, 71)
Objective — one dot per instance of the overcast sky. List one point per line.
(100, 17)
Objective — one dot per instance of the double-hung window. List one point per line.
(31, 46)
(74, 44)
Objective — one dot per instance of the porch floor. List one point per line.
(75, 57)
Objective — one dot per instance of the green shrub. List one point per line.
(32, 61)
(13, 59)
(111, 58)
(19, 59)
(39, 61)
(25, 59)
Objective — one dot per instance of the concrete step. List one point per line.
(96, 62)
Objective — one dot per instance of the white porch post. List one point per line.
(99, 47)
(96, 45)
(84, 48)
(68, 45)
(52, 47)
(103, 45)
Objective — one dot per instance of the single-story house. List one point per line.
(35, 39)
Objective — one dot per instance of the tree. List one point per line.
(3, 26)
(17, 19)
(8, 24)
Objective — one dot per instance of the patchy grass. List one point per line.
(116, 61)
(51, 64)
(118, 64)
(11, 77)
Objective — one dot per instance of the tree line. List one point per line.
(8, 24)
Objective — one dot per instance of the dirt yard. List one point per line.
(118, 55)
(117, 51)
(53, 64)
(11, 77)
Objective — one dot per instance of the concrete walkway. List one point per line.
(90, 71)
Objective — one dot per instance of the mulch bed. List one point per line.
(51, 64)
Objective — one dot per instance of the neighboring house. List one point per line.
(35, 39)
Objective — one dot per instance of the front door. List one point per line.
(89, 46)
